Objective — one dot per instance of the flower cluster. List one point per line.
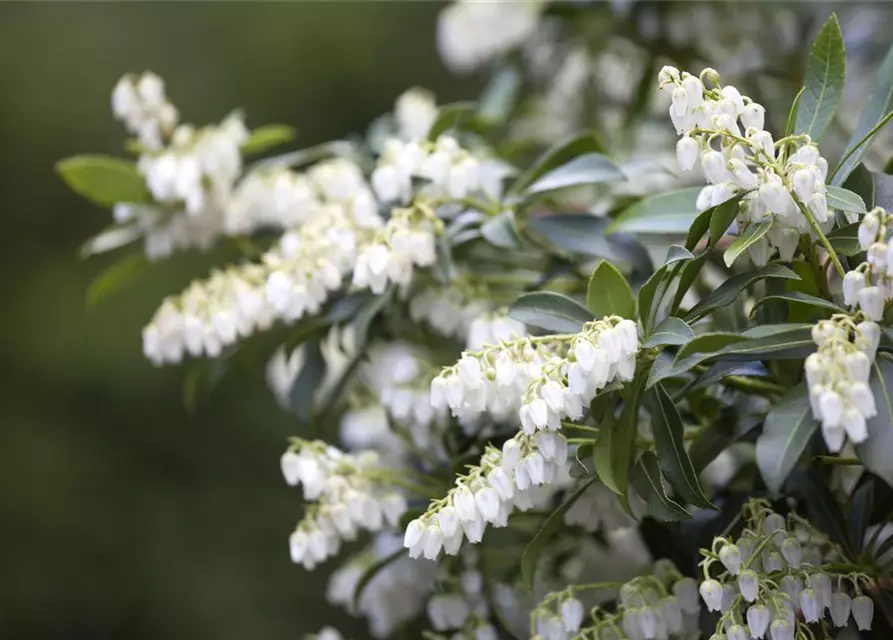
(777, 571)
(837, 375)
(870, 285)
(471, 33)
(461, 605)
(661, 604)
(784, 181)
(395, 595)
(141, 104)
(487, 494)
(277, 198)
(408, 240)
(350, 493)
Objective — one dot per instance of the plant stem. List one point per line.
(864, 139)
(815, 227)
(753, 385)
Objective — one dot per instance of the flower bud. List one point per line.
(711, 592)
(853, 283)
(714, 165)
(572, 614)
(871, 302)
(792, 552)
(741, 175)
(810, 605)
(687, 152)
(737, 632)
(704, 198)
(758, 620)
(868, 230)
(863, 611)
(749, 584)
(781, 630)
(840, 609)
(730, 556)
(686, 592)
(793, 586)
(753, 116)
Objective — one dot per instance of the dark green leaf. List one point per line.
(501, 231)
(845, 240)
(608, 293)
(861, 182)
(696, 351)
(880, 103)
(677, 253)
(650, 295)
(300, 396)
(267, 137)
(860, 513)
(729, 290)
(450, 117)
(824, 81)
(799, 297)
(843, 200)
(690, 272)
(552, 524)
(115, 277)
(669, 443)
(723, 215)
(648, 483)
(590, 168)
(752, 234)
(786, 432)
(104, 180)
(823, 509)
(666, 213)
(875, 453)
(558, 155)
(373, 571)
(790, 342)
(579, 468)
(792, 114)
(698, 228)
(613, 452)
(500, 97)
(720, 370)
(672, 331)
(661, 368)
(550, 311)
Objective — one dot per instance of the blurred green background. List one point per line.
(120, 515)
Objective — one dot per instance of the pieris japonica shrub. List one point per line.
(554, 393)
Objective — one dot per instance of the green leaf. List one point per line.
(788, 427)
(579, 468)
(550, 311)
(843, 200)
(552, 524)
(666, 213)
(501, 231)
(115, 277)
(555, 157)
(365, 314)
(875, 452)
(861, 182)
(690, 272)
(648, 483)
(824, 511)
(608, 293)
(723, 215)
(792, 114)
(669, 443)
(372, 571)
(110, 239)
(614, 448)
(824, 81)
(300, 396)
(860, 513)
(697, 350)
(672, 331)
(677, 253)
(729, 290)
(752, 234)
(880, 103)
(266, 137)
(698, 228)
(792, 341)
(798, 297)
(450, 117)
(845, 240)
(500, 96)
(650, 295)
(104, 180)
(661, 369)
(590, 168)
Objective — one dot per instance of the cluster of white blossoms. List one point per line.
(461, 607)
(394, 595)
(141, 104)
(837, 375)
(277, 198)
(784, 180)
(488, 494)
(870, 285)
(349, 493)
(776, 578)
(448, 170)
(471, 33)
(408, 240)
(658, 605)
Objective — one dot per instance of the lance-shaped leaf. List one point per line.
(694, 352)
(875, 452)
(845, 240)
(860, 513)
(450, 117)
(726, 293)
(501, 231)
(669, 440)
(300, 396)
(879, 105)
(116, 277)
(590, 168)
(824, 81)
(754, 233)
(791, 341)
(666, 213)
(788, 427)
(613, 451)
(550, 311)
(792, 114)
(845, 200)
(723, 215)
(266, 137)
(552, 524)
(647, 480)
(798, 297)
(104, 180)
(672, 331)
(608, 293)
(558, 155)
